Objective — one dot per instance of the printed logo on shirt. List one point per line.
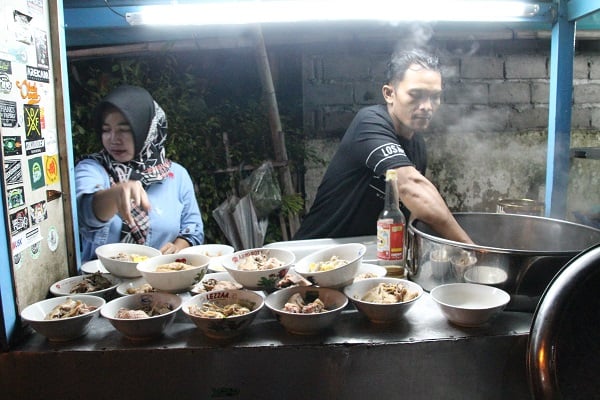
(384, 153)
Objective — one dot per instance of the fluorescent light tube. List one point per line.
(271, 11)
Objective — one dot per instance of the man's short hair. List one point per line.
(401, 61)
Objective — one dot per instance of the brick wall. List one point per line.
(488, 141)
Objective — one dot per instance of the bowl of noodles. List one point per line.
(142, 316)
(223, 314)
(174, 272)
(63, 318)
(120, 259)
(259, 268)
(383, 300)
(306, 310)
(334, 266)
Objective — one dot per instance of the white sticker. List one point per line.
(52, 239)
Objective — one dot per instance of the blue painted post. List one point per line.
(559, 114)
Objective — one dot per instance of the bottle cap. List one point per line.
(390, 174)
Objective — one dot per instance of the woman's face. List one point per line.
(117, 137)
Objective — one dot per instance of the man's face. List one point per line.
(412, 101)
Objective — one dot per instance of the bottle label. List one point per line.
(390, 240)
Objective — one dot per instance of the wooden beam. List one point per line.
(277, 135)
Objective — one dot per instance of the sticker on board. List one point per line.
(6, 84)
(51, 169)
(15, 197)
(17, 260)
(34, 142)
(52, 239)
(8, 115)
(35, 250)
(13, 172)
(38, 212)
(19, 221)
(36, 173)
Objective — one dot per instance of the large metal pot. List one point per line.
(518, 253)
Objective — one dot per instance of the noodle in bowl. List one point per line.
(376, 311)
(336, 274)
(259, 268)
(152, 325)
(158, 273)
(333, 301)
(62, 329)
(223, 314)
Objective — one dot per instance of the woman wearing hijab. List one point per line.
(129, 191)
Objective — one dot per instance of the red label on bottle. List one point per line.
(390, 240)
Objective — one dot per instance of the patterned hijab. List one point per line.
(149, 127)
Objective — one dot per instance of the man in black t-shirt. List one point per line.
(381, 137)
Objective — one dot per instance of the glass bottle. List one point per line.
(391, 226)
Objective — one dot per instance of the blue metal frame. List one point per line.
(560, 102)
(68, 134)
(559, 114)
(97, 17)
(8, 311)
(578, 9)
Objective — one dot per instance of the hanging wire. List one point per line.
(112, 9)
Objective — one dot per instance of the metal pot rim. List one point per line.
(439, 240)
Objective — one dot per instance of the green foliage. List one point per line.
(196, 129)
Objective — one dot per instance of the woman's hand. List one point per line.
(172, 248)
(120, 198)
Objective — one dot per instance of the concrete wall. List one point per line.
(488, 141)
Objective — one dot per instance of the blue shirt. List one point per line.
(174, 210)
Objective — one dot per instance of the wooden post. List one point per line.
(277, 135)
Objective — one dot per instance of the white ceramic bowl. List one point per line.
(469, 304)
(369, 271)
(199, 288)
(214, 251)
(335, 278)
(230, 327)
(143, 328)
(123, 269)
(135, 283)
(485, 275)
(174, 281)
(60, 330)
(64, 286)
(380, 312)
(93, 266)
(258, 279)
(307, 324)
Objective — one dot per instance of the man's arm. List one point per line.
(425, 203)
